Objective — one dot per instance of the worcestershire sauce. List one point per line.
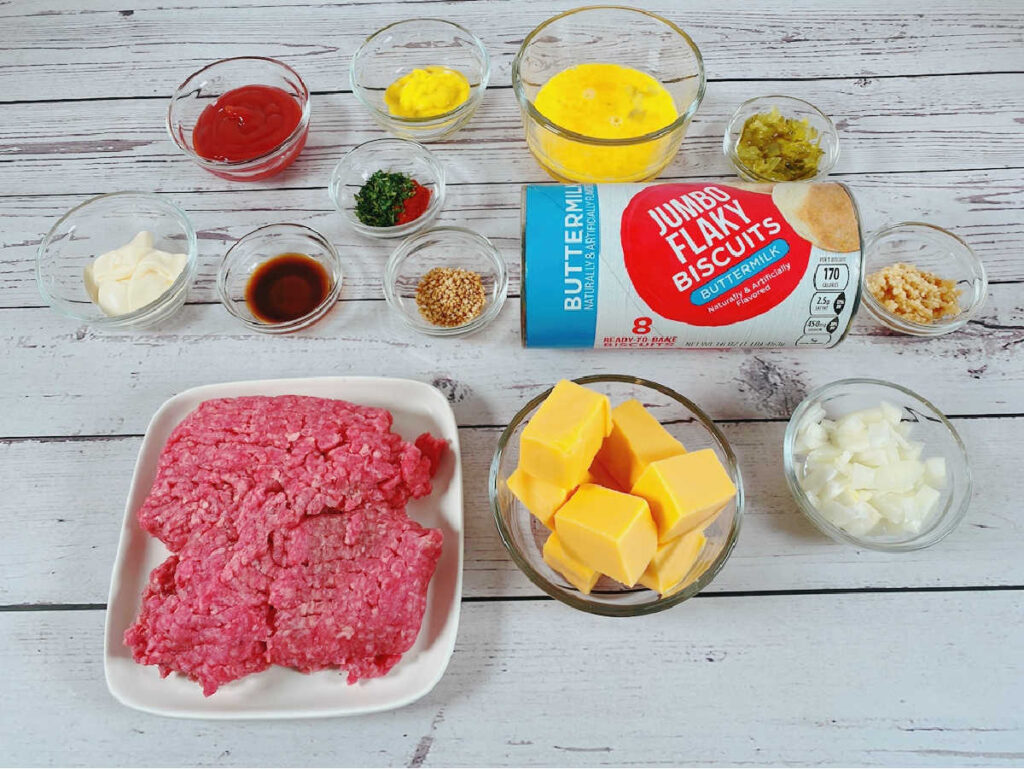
(286, 287)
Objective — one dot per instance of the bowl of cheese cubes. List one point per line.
(616, 495)
(875, 465)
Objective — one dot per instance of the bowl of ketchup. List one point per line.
(243, 119)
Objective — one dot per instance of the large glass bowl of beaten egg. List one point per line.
(607, 93)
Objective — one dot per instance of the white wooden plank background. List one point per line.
(802, 651)
(160, 41)
(811, 680)
(976, 372)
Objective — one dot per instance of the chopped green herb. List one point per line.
(380, 200)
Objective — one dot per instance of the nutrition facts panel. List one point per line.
(803, 651)
(832, 284)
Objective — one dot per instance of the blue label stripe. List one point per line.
(740, 273)
(560, 265)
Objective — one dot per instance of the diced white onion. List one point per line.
(899, 476)
(935, 472)
(864, 473)
(893, 414)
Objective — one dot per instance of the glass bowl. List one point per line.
(790, 108)
(262, 245)
(454, 247)
(628, 37)
(399, 48)
(102, 224)
(523, 535)
(932, 249)
(930, 427)
(395, 155)
(202, 89)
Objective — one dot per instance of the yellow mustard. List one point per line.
(427, 92)
(604, 101)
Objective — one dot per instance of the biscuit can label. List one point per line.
(689, 265)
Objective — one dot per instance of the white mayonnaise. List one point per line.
(132, 276)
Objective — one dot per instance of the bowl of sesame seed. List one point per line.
(446, 281)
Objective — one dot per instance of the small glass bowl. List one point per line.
(202, 89)
(454, 247)
(393, 155)
(399, 48)
(524, 536)
(258, 247)
(931, 428)
(629, 37)
(934, 250)
(102, 224)
(790, 108)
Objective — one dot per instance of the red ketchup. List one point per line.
(414, 205)
(247, 123)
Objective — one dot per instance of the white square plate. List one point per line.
(282, 692)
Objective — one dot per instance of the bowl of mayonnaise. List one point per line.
(120, 260)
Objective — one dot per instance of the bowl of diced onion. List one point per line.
(875, 465)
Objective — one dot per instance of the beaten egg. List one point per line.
(605, 101)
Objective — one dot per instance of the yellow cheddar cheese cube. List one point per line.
(609, 531)
(538, 496)
(597, 474)
(562, 438)
(636, 440)
(684, 491)
(577, 572)
(672, 562)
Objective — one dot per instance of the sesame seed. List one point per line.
(450, 297)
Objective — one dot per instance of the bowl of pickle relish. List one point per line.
(780, 139)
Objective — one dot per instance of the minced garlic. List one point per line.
(914, 294)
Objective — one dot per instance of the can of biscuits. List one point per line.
(689, 265)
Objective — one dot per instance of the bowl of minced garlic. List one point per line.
(446, 281)
(922, 280)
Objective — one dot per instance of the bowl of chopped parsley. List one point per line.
(388, 188)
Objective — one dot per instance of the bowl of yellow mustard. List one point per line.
(606, 93)
(421, 79)
(616, 495)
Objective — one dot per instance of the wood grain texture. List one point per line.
(876, 680)
(66, 379)
(63, 49)
(64, 548)
(910, 659)
(886, 125)
(984, 207)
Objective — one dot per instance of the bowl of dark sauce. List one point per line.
(280, 278)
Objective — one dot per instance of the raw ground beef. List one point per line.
(286, 517)
(196, 622)
(350, 590)
(252, 465)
